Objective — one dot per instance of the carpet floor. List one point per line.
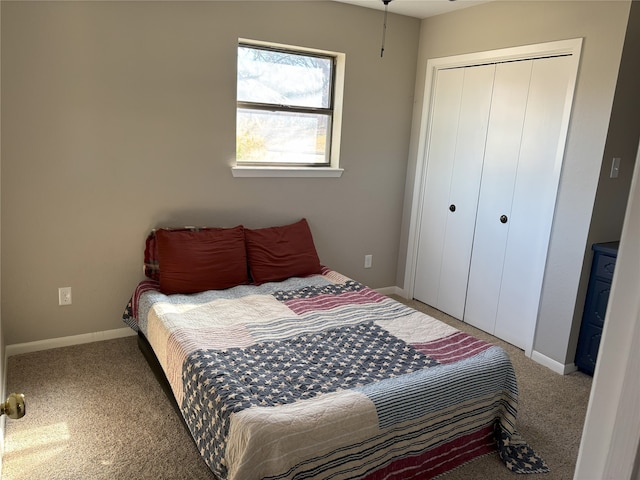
(96, 412)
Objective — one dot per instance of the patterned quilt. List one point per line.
(322, 377)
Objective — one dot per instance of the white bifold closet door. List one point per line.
(490, 191)
(458, 135)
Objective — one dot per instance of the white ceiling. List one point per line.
(416, 8)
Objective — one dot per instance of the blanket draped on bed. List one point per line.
(322, 377)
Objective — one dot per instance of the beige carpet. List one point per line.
(96, 412)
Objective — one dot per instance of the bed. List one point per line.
(291, 370)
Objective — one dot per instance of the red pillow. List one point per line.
(195, 261)
(277, 253)
(151, 264)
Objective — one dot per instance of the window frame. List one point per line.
(334, 112)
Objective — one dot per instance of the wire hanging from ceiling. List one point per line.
(384, 26)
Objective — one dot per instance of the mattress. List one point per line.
(322, 377)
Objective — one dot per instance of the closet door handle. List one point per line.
(452, 207)
(503, 219)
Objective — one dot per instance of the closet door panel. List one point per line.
(465, 186)
(508, 109)
(534, 200)
(445, 112)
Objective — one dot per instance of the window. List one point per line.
(288, 114)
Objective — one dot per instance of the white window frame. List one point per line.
(333, 169)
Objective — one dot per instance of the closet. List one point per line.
(496, 136)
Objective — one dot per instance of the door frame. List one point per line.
(571, 47)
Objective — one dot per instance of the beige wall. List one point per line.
(503, 24)
(119, 116)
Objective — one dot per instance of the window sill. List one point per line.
(291, 172)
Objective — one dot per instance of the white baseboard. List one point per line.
(389, 291)
(552, 364)
(29, 347)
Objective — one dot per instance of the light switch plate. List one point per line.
(615, 167)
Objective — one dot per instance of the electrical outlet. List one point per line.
(368, 259)
(64, 296)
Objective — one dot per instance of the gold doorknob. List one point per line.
(14, 407)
